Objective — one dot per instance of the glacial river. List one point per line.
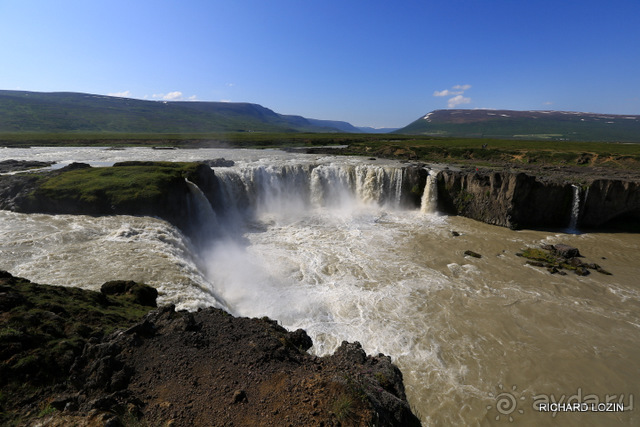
(322, 243)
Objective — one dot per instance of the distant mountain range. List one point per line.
(548, 125)
(22, 111)
(66, 111)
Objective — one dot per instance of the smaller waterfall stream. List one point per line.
(203, 209)
(575, 209)
(202, 215)
(397, 177)
(429, 201)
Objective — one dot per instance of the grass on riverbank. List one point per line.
(488, 152)
(182, 140)
(121, 184)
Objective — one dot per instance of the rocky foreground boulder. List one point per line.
(69, 356)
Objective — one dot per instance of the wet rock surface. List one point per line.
(219, 163)
(540, 199)
(472, 254)
(21, 165)
(560, 258)
(72, 356)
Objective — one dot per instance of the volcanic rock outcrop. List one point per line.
(63, 363)
(159, 189)
(520, 200)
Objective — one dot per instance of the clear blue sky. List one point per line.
(370, 62)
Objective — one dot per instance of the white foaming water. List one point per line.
(287, 189)
(325, 271)
(83, 251)
(202, 208)
(575, 209)
(429, 201)
(314, 243)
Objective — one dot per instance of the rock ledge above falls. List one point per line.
(155, 189)
(508, 198)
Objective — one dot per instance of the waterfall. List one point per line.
(575, 208)
(277, 188)
(398, 175)
(289, 188)
(429, 202)
(200, 209)
(233, 193)
(333, 185)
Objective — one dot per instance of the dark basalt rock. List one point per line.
(21, 165)
(74, 166)
(472, 254)
(15, 189)
(351, 352)
(505, 198)
(142, 294)
(219, 163)
(239, 396)
(522, 200)
(133, 360)
(200, 368)
(170, 196)
(300, 339)
(566, 251)
(380, 381)
(555, 258)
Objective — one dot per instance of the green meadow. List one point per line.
(409, 147)
(121, 184)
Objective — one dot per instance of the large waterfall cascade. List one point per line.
(278, 188)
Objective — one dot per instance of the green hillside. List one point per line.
(531, 125)
(78, 112)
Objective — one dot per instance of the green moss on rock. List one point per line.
(559, 257)
(125, 182)
(536, 254)
(43, 329)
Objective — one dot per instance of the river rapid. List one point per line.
(323, 243)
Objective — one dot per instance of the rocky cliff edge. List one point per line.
(69, 356)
